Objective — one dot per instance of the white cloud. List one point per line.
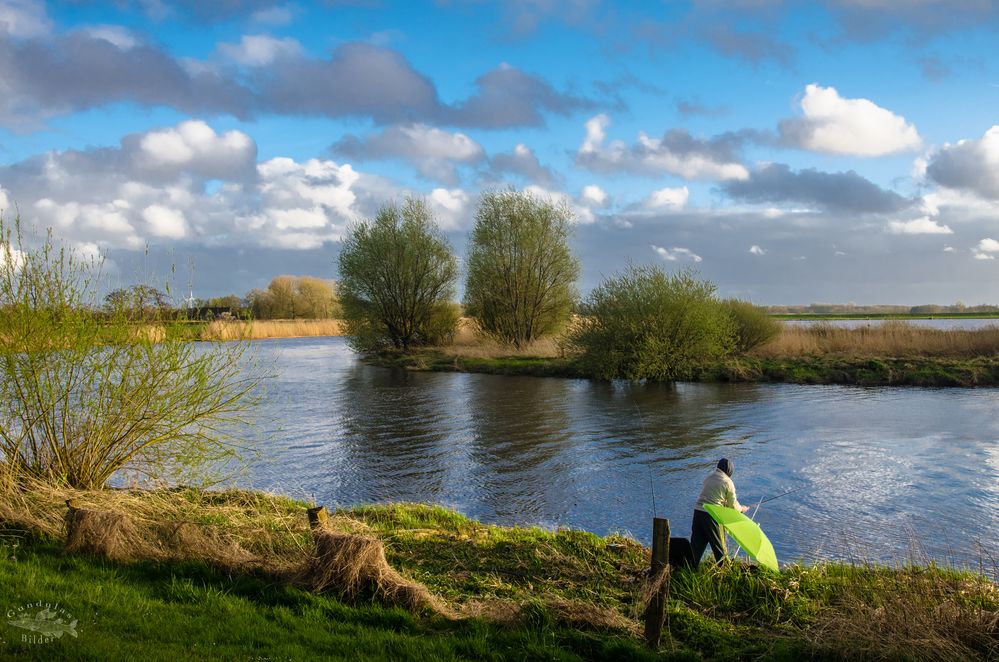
(949, 249)
(193, 145)
(433, 151)
(923, 225)
(755, 249)
(594, 196)
(677, 153)
(24, 18)
(988, 245)
(258, 50)
(450, 207)
(667, 198)
(856, 127)
(676, 253)
(582, 213)
(165, 222)
(985, 249)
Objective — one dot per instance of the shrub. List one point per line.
(753, 325)
(85, 394)
(647, 324)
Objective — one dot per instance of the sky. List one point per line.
(789, 152)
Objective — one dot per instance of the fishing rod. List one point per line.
(760, 503)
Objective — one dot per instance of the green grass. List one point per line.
(910, 371)
(524, 593)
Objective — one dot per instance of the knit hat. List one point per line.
(726, 465)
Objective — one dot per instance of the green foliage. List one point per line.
(86, 394)
(753, 325)
(647, 324)
(521, 271)
(397, 275)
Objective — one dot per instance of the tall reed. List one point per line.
(259, 330)
(890, 339)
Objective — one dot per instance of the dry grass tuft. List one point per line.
(889, 339)
(891, 616)
(263, 329)
(588, 616)
(352, 565)
(111, 535)
(470, 342)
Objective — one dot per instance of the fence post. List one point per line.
(318, 517)
(656, 609)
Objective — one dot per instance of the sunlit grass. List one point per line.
(888, 339)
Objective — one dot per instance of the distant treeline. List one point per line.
(853, 309)
(286, 297)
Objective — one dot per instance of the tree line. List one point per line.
(398, 276)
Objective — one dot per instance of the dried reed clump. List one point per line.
(223, 330)
(187, 540)
(914, 618)
(889, 339)
(588, 616)
(352, 565)
(470, 342)
(111, 535)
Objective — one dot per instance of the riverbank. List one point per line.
(502, 592)
(892, 354)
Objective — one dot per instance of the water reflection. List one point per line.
(881, 473)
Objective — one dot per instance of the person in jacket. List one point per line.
(718, 489)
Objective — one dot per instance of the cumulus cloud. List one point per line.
(450, 208)
(755, 249)
(677, 153)
(523, 162)
(923, 225)
(192, 147)
(676, 254)
(122, 197)
(986, 249)
(971, 165)
(260, 50)
(838, 125)
(667, 198)
(594, 196)
(582, 213)
(841, 191)
(435, 152)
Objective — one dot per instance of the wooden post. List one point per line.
(656, 609)
(318, 517)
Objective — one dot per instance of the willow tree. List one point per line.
(86, 393)
(521, 272)
(397, 275)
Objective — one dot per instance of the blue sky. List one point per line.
(791, 152)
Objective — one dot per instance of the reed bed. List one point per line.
(890, 339)
(263, 329)
(470, 342)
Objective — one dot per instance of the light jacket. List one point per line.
(718, 489)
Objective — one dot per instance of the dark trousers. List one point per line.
(704, 531)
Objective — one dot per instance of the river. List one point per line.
(884, 474)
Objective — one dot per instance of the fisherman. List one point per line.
(718, 489)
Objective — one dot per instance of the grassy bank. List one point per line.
(812, 317)
(884, 355)
(508, 593)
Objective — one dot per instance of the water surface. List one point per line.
(886, 473)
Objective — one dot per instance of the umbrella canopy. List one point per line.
(747, 533)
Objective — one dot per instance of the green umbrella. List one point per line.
(747, 533)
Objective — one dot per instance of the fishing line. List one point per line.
(652, 482)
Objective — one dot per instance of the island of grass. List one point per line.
(888, 354)
(231, 588)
